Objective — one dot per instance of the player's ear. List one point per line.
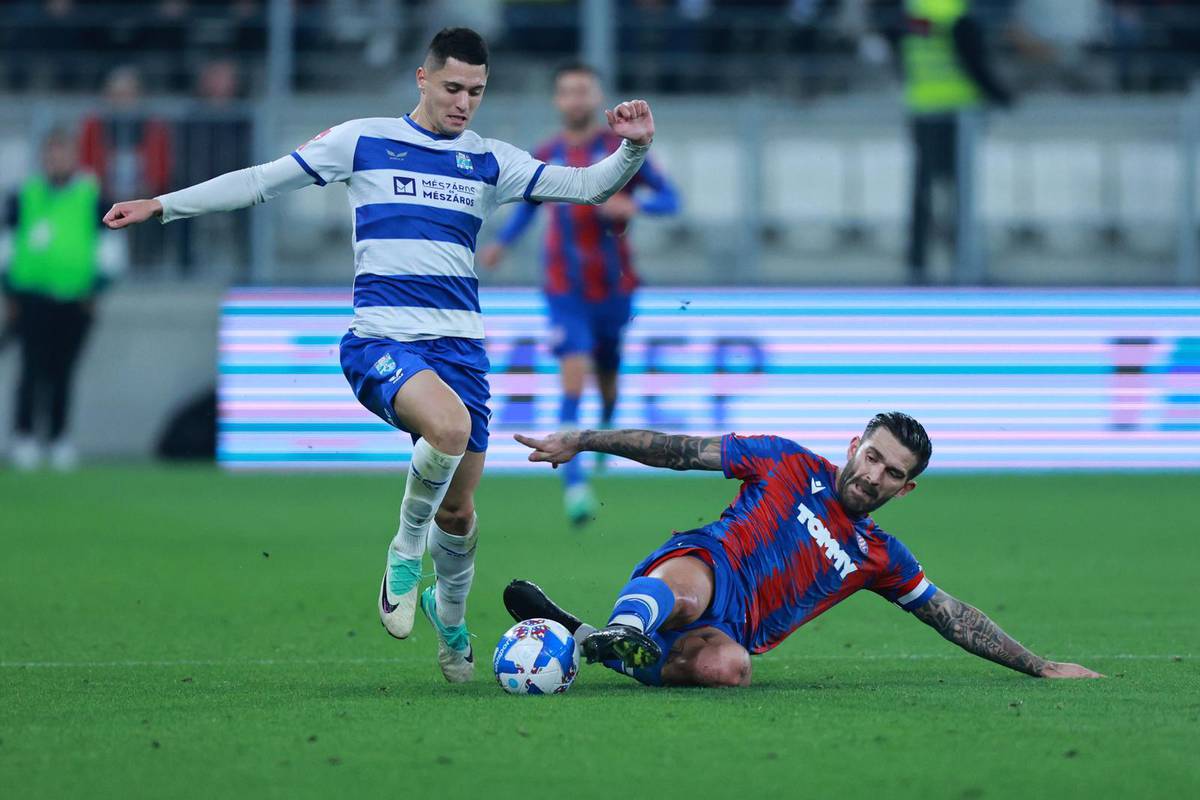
(906, 488)
(853, 448)
(421, 78)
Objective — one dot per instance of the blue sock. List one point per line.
(650, 676)
(568, 417)
(568, 410)
(644, 603)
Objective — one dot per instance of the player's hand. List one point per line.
(618, 208)
(1061, 669)
(131, 212)
(632, 120)
(557, 448)
(491, 256)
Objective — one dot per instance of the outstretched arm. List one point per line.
(660, 197)
(600, 181)
(970, 629)
(649, 447)
(491, 256)
(233, 190)
(517, 224)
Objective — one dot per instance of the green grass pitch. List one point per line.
(188, 633)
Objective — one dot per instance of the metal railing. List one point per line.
(1078, 192)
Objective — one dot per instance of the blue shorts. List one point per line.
(726, 612)
(580, 327)
(377, 368)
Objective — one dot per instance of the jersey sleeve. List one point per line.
(903, 582)
(655, 194)
(519, 171)
(517, 223)
(749, 458)
(328, 157)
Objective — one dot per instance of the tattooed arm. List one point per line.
(649, 447)
(970, 629)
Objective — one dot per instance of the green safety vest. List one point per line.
(933, 81)
(54, 250)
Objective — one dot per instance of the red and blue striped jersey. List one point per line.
(584, 254)
(794, 550)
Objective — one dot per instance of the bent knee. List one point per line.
(448, 429)
(456, 516)
(688, 608)
(725, 666)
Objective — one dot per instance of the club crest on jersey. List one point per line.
(862, 543)
(463, 161)
(824, 539)
(386, 365)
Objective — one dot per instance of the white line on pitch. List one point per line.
(282, 662)
(189, 662)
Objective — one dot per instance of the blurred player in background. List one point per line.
(52, 277)
(589, 275)
(796, 541)
(131, 151)
(946, 71)
(421, 186)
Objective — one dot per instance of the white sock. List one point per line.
(454, 562)
(629, 621)
(582, 632)
(429, 475)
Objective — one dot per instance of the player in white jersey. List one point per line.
(421, 186)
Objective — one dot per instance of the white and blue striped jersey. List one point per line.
(419, 199)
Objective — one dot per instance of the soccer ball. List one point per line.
(536, 656)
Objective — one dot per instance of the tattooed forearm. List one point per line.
(971, 630)
(656, 449)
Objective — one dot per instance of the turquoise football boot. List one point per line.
(398, 594)
(454, 642)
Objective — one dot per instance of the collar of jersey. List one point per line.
(430, 134)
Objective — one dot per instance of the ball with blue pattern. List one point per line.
(536, 656)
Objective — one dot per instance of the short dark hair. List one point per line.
(462, 44)
(908, 432)
(567, 67)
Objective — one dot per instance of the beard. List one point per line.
(581, 121)
(865, 500)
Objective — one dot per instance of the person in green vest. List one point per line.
(946, 71)
(50, 284)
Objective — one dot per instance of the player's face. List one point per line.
(450, 95)
(876, 470)
(58, 159)
(578, 98)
